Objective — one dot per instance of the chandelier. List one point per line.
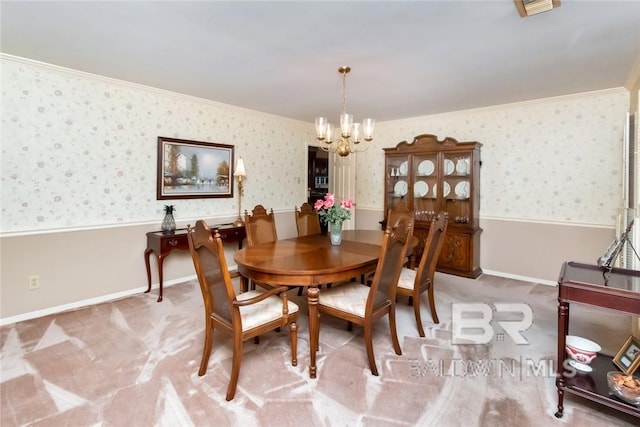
(350, 132)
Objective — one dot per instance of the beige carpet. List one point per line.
(134, 362)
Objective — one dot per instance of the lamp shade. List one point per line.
(240, 168)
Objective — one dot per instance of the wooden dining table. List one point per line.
(310, 261)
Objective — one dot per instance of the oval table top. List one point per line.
(311, 260)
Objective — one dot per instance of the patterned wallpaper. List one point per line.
(557, 159)
(81, 150)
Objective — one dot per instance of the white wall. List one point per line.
(551, 172)
(78, 170)
(81, 150)
(556, 159)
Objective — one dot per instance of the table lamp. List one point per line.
(239, 173)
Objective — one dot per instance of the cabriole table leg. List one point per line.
(146, 263)
(160, 261)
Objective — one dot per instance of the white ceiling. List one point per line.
(408, 58)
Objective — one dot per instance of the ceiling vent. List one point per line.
(531, 7)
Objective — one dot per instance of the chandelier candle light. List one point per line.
(239, 173)
(349, 131)
(334, 215)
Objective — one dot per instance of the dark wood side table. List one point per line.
(618, 289)
(163, 244)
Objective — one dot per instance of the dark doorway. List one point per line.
(317, 176)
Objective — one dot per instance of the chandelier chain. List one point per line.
(344, 93)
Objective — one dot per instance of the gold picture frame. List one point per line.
(628, 357)
(194, 169)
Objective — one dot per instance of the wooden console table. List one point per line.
(618, 289)
(163, 244)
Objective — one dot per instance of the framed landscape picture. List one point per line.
(193, 169)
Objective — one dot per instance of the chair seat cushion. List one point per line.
(350, 298)
(407, 278)
(262, 312)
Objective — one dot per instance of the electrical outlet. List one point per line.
(34, 282)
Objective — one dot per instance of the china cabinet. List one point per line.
(429, 175)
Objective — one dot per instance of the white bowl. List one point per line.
(582, 352)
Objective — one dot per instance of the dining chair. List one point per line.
(394, 214)
(397, 211)
(260, 227)
(414, 282)
(360, 304)
(307, 223)
(244, 316)
(307, 220)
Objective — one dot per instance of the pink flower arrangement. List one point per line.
(332, 213)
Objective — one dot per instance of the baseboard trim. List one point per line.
(93, 301)
(519, 277)
(234, 273)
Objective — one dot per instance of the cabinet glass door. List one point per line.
(425, 186)
(399, 182)
(457, 191)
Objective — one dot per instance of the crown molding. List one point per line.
(518, 104)
(136, 86)
(633, 81)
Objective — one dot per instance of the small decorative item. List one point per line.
(628, 357)
(582, 352)
(626, 387)
(334, 215)
(168, 223)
